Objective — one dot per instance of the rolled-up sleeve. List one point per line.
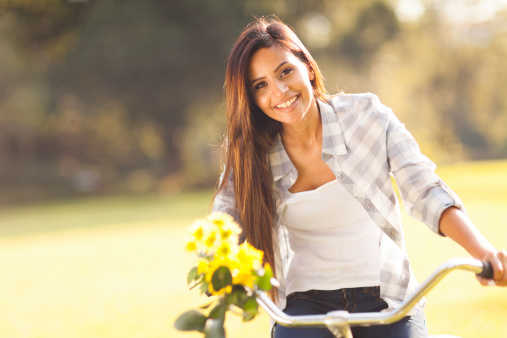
(424, 195)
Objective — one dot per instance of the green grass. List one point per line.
(115, 267)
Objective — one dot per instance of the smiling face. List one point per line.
(281, 85)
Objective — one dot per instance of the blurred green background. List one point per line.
(111, 117)
(115, 97)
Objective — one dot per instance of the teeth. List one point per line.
(288, 103)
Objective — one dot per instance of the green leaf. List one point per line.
(238, 296)
(264, 279)
(221, 278)
(250, 308)
(204, 287)
(214, 329)
(247, 316)
(192, 275)
(190, 320)
(250, 304)
(196, 284)
(217, 311)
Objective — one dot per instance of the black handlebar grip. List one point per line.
(487, 270)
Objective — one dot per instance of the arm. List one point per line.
(224, 201)
(424, 195)
(457, 226)
(428, 199)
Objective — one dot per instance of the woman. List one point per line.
(307, 176)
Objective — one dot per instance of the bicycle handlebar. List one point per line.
(487, 270)
(337, 319)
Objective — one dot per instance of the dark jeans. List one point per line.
(365, 299)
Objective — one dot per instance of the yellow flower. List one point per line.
(196, 229)
(191, 244)
(209, 240)
(247, 260)
(220, 218)
(229, 261)
(250, 257)
(216, 238)
(244, 277)
(203, 266)
(224, 250)
(228, 229)
(222, 291)
(213, 266)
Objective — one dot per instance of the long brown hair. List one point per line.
(250, 132)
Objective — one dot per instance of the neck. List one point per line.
(307, 131)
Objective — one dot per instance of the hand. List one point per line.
(498, 261)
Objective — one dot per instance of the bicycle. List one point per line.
(340, 322)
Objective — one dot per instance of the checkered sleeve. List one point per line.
(425, 196)
(224, 200)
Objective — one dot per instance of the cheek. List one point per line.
(261, 100)
(303, 79)
(308, 80)
(309, 85)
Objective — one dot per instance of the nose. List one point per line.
(279, 88)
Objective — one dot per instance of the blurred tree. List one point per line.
(104, 94)
(375, 25)
(157, 57)
(444, 82)
(142, 64)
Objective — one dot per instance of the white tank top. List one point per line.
(335, 242)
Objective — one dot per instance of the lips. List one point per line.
(287, 103)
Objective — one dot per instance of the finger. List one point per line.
(485, 281)
(502, 257)
(496, 264)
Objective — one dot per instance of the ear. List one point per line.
(311, 74)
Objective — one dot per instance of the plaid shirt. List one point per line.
(363, 143)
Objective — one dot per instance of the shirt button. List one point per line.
(368, 206)
(340, 177)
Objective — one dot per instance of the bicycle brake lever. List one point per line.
(487, 270)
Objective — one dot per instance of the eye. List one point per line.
(260, 85)
(286, 71)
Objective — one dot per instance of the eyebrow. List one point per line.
(276, 69)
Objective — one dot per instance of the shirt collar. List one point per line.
(333, 143)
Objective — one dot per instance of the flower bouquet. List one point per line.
(228, 272)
